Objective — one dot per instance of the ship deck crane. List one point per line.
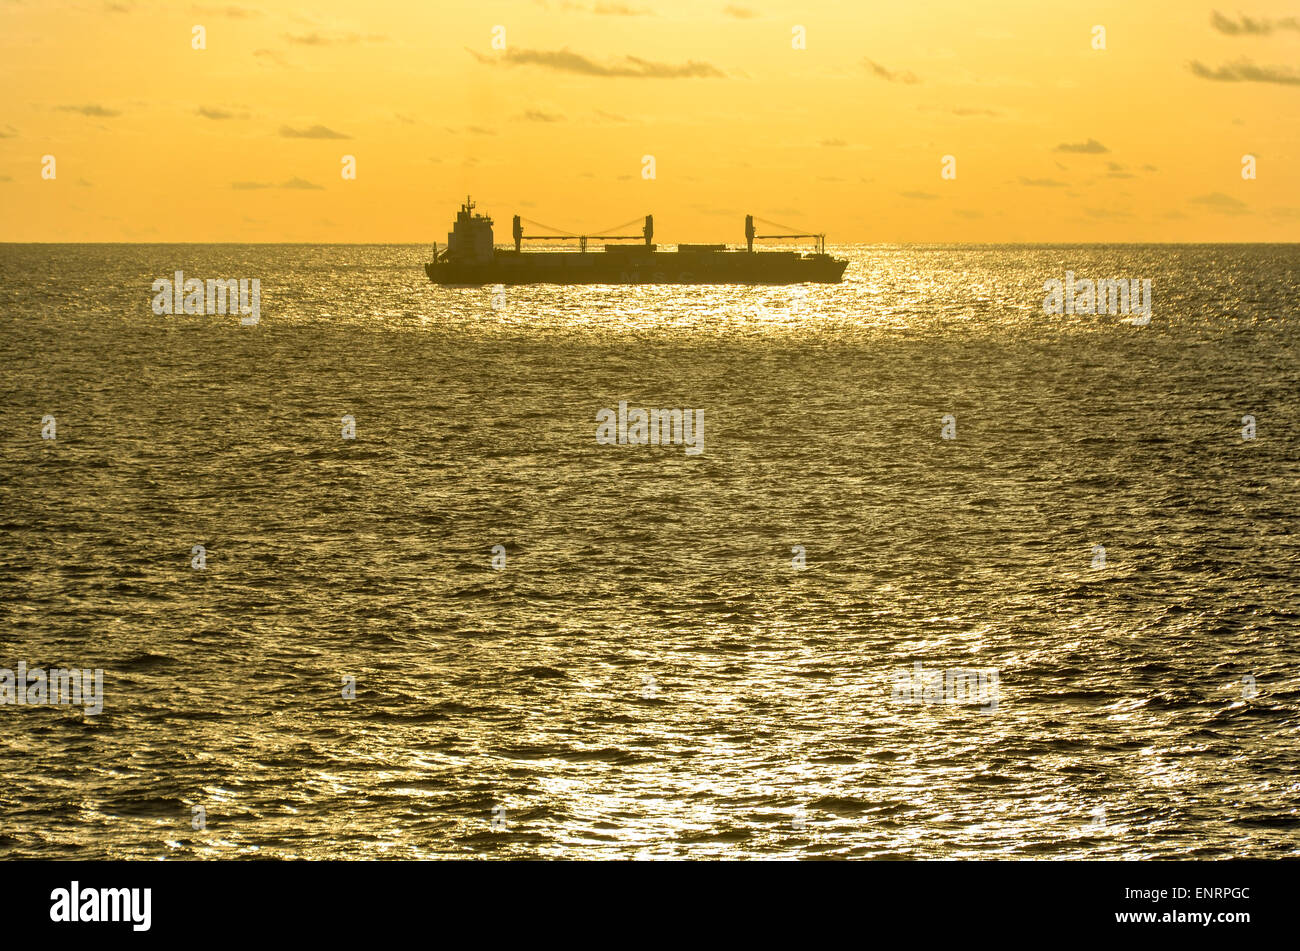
(646, 235)
(790, 233)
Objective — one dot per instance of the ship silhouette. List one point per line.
(471, 257)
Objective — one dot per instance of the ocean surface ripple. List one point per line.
(650, 675)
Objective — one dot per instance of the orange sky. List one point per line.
(1054, 141)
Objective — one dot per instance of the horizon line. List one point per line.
(845, 244)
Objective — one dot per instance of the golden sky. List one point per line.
(1053, 140)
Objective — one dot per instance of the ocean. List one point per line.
(951, 577)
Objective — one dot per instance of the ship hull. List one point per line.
(647, 267)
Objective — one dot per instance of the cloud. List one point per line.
(1224, 204)
(218, 113)
(1091, 147)
(1247, 26)
(538, 115)
(1042, 182)
(633, 67)
(612, 117)
(309, 39)
(232, 11)
(620, 10)
(6, 178)
(889, 74)
(962, 111)
(1244, 71)
(739, 12)
(923, 196)
(600, 9)
(91, 110)
(8, 132)
(312, 132)
(265, 56)
(293, 183)
(338, 39)
(834, 143)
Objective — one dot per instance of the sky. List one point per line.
(549, 108)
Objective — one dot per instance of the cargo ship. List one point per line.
(471, 257)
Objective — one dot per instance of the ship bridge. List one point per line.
(470, 239)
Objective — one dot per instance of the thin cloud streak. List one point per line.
(630, 67)
(1244, 71)
(890, 75)
(96, 111)
(311, 132)
(1091, 147)
(1249, 27)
